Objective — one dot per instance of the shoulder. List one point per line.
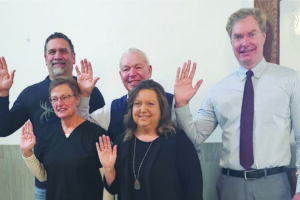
(180, 138)
(92, 127)
(281, 70)
(37, 87)
(169, 95)
(121, 99)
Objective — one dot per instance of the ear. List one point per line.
(77, 100)
(264, 38)
(45, 57)
(149, 71)
(74, 58)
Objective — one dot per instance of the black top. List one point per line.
(33, 104)
(140, 152)
(72, 164)
(171, 171)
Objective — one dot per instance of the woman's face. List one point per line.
(63, 101)
(146, 110)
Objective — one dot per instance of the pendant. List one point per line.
(137, 185)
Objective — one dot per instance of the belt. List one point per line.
(253, 173)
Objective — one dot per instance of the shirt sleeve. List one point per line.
(11, 120)
(199, 129)
(36, 168)
(97, 100)
(100, 116)
(106, 194)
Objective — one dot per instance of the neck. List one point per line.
(71, 123)
(251, 66)
(146, 135)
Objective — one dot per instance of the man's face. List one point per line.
(133, 70)
(247, 42)
(59, 58)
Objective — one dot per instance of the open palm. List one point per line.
(85, 79)
(27, 141)
(183, 89)
(6, 79)
(106, 153)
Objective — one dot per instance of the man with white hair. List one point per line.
(134, 67)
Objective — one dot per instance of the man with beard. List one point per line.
(33, 102)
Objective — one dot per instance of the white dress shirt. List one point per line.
(276, 113)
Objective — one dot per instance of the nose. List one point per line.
(143, 108)
(245, 40)
(132, 71)
(57, 55)
(59, 101)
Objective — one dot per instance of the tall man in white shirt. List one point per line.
(264, 107)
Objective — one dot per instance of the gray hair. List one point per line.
(242, 13)
(135, 50)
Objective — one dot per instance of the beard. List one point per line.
(57, 71)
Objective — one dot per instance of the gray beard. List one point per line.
(58, 71)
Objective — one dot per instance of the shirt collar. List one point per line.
(257, 70)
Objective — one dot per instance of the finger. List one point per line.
(98, 148)
(77, 71)
(107, 143)
(101, 143)
(178, 74)
(89, 68)
(191, 76)
(12, 75)
(115, 151)
(30, 127)
(182, 71)
(187, 71)
(1, 63)
(96, 79)
(4, 65)
(197, 86)
(82, 66)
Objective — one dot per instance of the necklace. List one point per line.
(137, 184)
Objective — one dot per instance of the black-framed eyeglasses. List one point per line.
(62, 98)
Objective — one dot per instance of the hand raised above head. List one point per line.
(183, 89)
(6, 79)
(85, 79)
(27, 141)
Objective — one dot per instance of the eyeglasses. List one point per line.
(62, 98)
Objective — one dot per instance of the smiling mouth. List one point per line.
(58, 64)
(247, 51)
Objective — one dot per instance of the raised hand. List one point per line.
(27, 139)
(6, 79)
(107, 157)
(85, 79)
(106, 153)
(183, 89)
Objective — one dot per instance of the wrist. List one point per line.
(4, 93)
(180, 104)
(27, 153)
(84, 94)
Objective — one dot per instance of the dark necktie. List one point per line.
(246, 129)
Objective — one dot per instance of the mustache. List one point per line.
(58, 62)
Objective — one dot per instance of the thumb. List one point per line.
(12, 75)
(96, 79)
